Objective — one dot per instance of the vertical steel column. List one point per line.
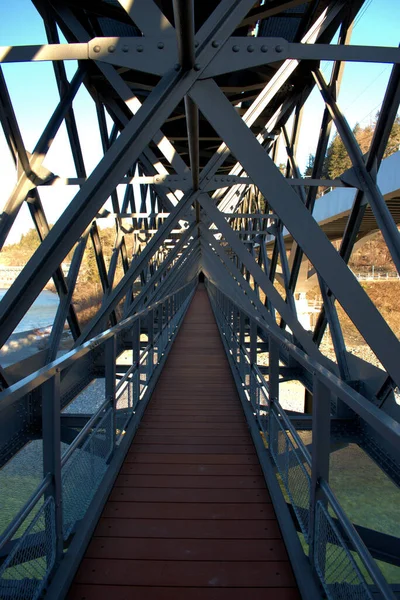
(110, 355)
(136, 359)
(242, 328)
(51, 432)
(253, 360)
(273, 382)
(321, 431)
(150, 341)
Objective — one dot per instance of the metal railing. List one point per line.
(336, 553)
(36, 540)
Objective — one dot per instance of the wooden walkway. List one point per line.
(189, 517)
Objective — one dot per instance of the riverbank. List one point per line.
(23, 344)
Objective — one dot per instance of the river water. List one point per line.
(41, 313)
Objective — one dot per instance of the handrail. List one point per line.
(29, 383)
(314, 489)
(83, 433)
(379, 420)
(98, 437)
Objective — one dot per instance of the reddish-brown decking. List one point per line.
(189, 517)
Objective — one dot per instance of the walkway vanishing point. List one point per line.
(189, 516)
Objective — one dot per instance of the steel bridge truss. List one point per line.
(192, 101)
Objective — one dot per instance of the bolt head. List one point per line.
(96, 49)
(125, 48)
(264, 48)
(111, 49)
(160, 45)
(250, 48)
(215, 44)
(139, 48)
(279, 49)
(235, 48)
(197, 67)
(177, 67)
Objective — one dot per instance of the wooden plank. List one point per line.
(105, 592)
(180, 528)
(200, 427)
(236, 430)
(171, 510)
(193, 459)
(192, 481)
(184, 573)
(185, 496)
(186, 549)
(166, 438)
(198, 470)
(192, 449)
(178, 418)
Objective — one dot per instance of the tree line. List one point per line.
(337, 160)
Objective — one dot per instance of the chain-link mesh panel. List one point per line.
(334, 563)
(124, 406)
(84, 471)
(294, 473)
(19, 479)
(26, 570)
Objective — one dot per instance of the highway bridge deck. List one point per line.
(189, 516)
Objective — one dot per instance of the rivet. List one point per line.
(96, 49)
(279, 49)
(196, 44)
(235, 48)
(111, 49)
(177, 67)
(160, 45)
(139, 48)
(215, 44)
(250, 48)
(125, 48)
(264, 48)
(197, 67)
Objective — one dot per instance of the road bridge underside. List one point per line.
(194, 101)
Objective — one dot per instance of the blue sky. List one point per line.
(34, 94)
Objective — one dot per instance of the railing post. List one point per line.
(159, 330)
(136, 359)
(273, 368)
(321, 429)
(150, 338)
(242, 329)
(253, 361)
(51, 432)
(273, 382)
(110, 353)
(234, 334)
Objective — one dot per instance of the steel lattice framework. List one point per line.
(192, 99)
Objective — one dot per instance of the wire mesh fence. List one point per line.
(83, 472)
(335, 564)
(32, 538)
(27, 567)
(295, 474)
